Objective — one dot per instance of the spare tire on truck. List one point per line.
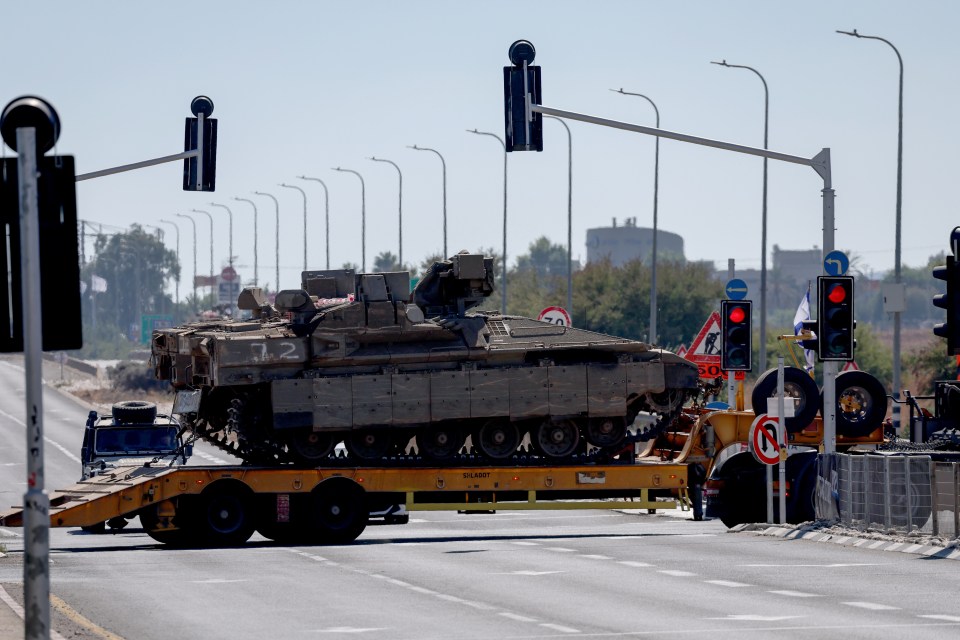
(797, 384)
(131, 411)
(861, 403)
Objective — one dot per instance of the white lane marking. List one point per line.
(12, 464)
(561, 549)
(423, 590)
(8, 532)
(217, 581)
(559, 627)
(937, 616)
(753, 617)
(594, 556)
(727, 583)
(527, 573)
(17, 609)
(634, 563)
(795, 594)
(210, 458)
(835, 565)
(676, 573)
(56, 445)
(347, 630)
(524, 543)
(873, 606)
(516, 616)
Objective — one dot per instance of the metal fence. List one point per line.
(900, 494)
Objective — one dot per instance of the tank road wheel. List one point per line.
(606, 431)
(440, 442)
(797, 384)
(497, 439)
(339, 511)
(557, 438)
(666, 401)
(861, 403)
(370, 444)
(225, 514)
(310, 447)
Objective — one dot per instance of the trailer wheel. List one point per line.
(224, 514)
(150, 520)
(338, 511)
(797, 384)
(861, 403)
(131, 411)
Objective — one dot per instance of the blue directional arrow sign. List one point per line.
(836, 263)
(736, 289)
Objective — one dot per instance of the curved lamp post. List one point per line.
(326, 201)
(177, 281)
(304, 194)
(763, 233)
(256, 281)
(897, 268)
(444, 164)
(194, 223)
(505, 156)
(230, 215)
(276, 237)
(656, 188)
(569, 214)
(399, 173)
(210, 217)
(363, 215)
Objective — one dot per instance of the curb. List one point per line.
(811, 534)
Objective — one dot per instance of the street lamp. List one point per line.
(326, 201)
(897, 266)
(503, 144)
(656, 188)
(444, 164)
(230, 215)
(177, 281)
(276, 238)
(363, 216)
(256, 275)
(400, 250)
(194, 223)
(210, 217)
(763, 232)
(569, 214)
(304, 194)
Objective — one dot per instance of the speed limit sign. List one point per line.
(555, 315)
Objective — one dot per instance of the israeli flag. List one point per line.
(803, 313)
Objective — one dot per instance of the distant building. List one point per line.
(624, 243)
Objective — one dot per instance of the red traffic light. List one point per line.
(737, 315)
(837, 294)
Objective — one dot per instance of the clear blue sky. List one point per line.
(301, 87)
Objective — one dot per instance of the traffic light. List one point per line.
(951, 302)
(835, 318)
(208, 158)
(524, 131)
(737, 328)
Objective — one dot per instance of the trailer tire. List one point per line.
(797, 384)
(861, 403)
(224, 514)
(338, 511)
(134, 411)
(150, 521)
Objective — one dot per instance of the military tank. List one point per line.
(356, 358)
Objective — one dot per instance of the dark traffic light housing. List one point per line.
(524, 131)
(736, 326)
(208, 158)
(951, 299)
(835, 318)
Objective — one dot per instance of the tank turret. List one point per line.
(357, 358)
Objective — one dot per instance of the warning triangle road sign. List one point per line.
(705, 348)
(682, 351)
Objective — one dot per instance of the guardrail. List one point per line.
(899, 494)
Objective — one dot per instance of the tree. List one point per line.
(387, 261)
(136, 267)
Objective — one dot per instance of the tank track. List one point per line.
(267, 452)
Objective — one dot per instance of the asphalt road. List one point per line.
(508, 575)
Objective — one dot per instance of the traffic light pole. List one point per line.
(819, 163)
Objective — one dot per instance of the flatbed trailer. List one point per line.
(223, 506)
